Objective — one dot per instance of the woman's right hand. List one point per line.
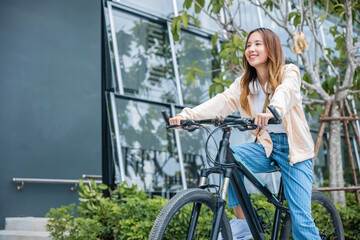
(176, 121)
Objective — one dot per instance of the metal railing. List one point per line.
(87, 180)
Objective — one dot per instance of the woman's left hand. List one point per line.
(262, 119)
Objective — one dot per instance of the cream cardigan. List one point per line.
(287, 100)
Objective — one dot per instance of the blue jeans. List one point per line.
(297, 181)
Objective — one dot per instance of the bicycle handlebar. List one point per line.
(245, 123)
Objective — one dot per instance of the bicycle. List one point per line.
(191, 208)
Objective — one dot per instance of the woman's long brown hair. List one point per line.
(275, 63)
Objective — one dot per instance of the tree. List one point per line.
(330, 73)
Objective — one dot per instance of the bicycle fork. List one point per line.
(219, 209)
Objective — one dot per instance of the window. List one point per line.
(192, 48)
(148, 150)
(145, 58)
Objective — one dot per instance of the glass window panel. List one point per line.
(145, 58)
(247, 16)
(115, 151)
(193, 149)
(163, 8)
(149, 152)
(111, 50)
(192, 48)
(205, 21)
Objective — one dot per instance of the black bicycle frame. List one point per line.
(226, 155)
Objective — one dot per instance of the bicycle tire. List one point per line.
(177, 205)
(326, 217)
(286, 227)
(333, 227)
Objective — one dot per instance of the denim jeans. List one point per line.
(297, 181)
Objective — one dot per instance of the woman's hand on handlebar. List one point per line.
(262, 119)
(176, 121)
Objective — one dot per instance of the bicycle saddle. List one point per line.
(274, 164)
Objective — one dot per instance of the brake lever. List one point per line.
(191, 128)
(275, 113)
(243, 128)
(172, 126)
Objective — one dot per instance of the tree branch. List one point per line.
(309, 101)
(314, 76)
(313, 29)
(354, 91)
(319, 90)
(285, 27)
(212, 17)
(349, 46)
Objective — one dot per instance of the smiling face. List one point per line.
(255, 51)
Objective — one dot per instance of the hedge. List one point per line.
(129, 214)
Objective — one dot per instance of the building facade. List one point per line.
(83, 84)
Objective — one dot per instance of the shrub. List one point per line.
(129, 214)
(350, 217)
(126, 214)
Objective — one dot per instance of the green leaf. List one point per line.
(201, 2)
(178, 25)
(196, 22)
(217, 80)
(212, 90)
(222, 74)
(293, 14)
(297, 20)
(199, 70)
(102, 187)
(236, 40)
(193, 63)
(187, 4)
(193, 77)
(185, 19)
(214, 39)
(185, 69)
(219, 88)
(188, 78)
(174, 28)
(176, 37)
(228, 82)
(197, 7)
(235, 58)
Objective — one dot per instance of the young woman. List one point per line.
(267, 80)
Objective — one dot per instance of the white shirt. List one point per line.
(259, 100)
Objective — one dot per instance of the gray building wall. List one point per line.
(50, 100)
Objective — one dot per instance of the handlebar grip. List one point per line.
(275, 113)
(273, 121)
(165, 117)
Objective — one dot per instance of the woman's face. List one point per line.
(255, 51)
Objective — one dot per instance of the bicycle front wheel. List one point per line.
(173, 222)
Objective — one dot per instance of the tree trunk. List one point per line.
(336, 176)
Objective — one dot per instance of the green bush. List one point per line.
(129, 214)
(350, 217)
(126, 214)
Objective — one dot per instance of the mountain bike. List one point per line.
(199, 213)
